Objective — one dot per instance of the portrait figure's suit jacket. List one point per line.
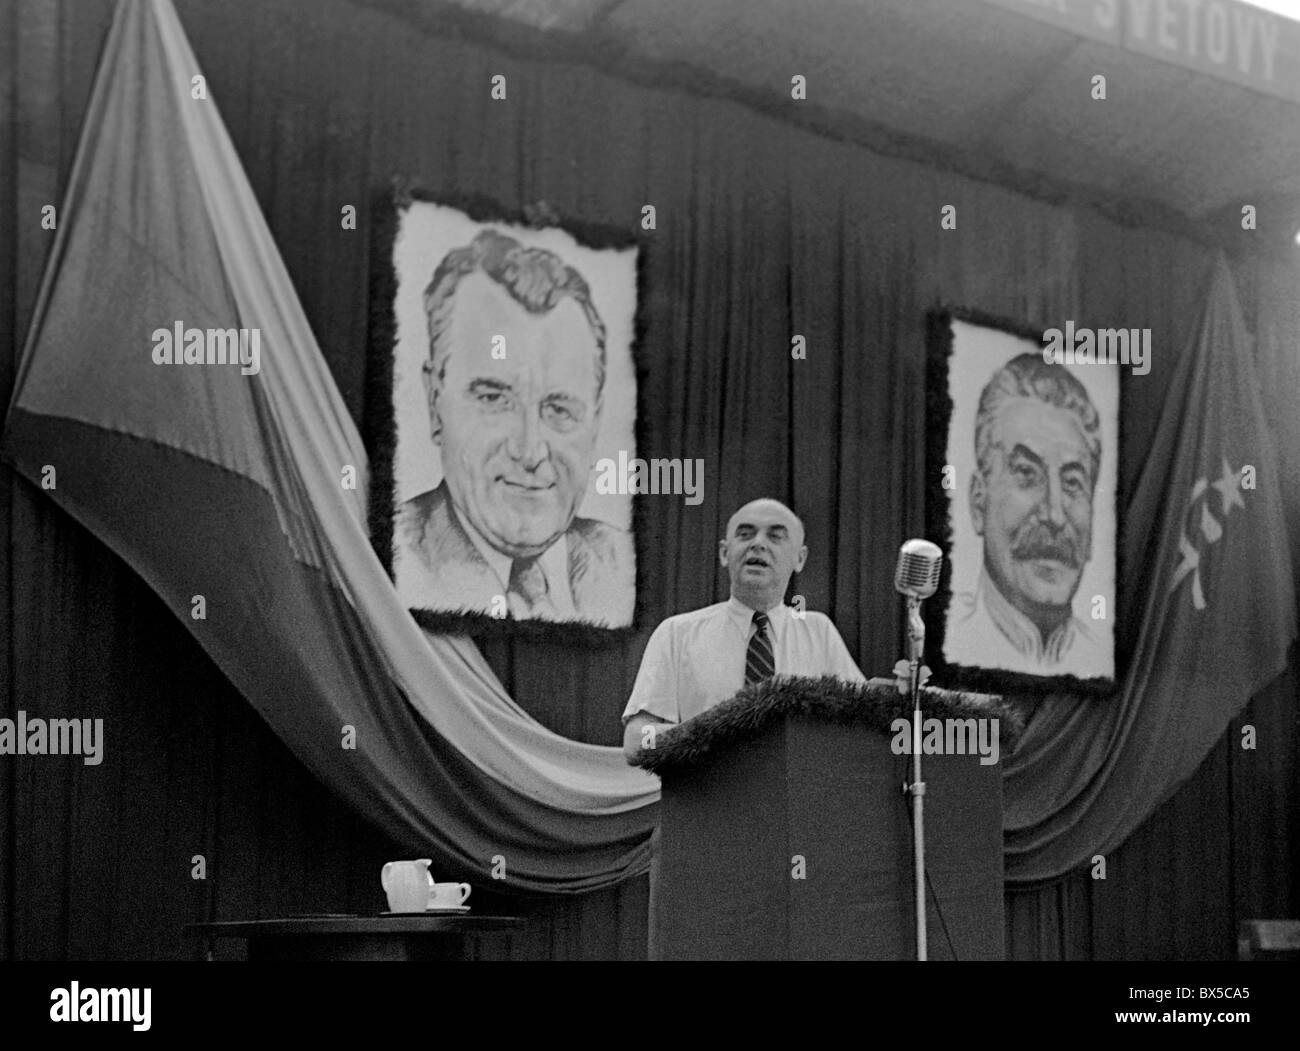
(438, 567)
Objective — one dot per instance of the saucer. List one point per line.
(429, 912)
(447, 908)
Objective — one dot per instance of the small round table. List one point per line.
(389, 936)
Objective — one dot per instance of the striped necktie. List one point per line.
(527, 594)
(759, 662)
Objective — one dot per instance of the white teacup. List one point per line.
(448, 895)
(407, 885)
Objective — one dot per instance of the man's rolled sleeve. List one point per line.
(655, 689)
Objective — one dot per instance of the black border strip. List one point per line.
(379, 429)
(938, 524)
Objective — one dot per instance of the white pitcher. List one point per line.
(407, 884)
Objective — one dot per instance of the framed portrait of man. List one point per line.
(502, 375)
(1021, 454)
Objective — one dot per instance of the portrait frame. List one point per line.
(942, 504)
(382, 428)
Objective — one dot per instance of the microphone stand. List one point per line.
(915, 648)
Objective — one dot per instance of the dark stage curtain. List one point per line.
(764, 231)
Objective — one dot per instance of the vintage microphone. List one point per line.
(917, 578)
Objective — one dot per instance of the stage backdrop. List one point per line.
(765, 250)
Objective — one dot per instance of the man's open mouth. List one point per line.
(761, 563)
(527, 487)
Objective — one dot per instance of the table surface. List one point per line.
(396, 923)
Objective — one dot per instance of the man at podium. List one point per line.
(698, 659)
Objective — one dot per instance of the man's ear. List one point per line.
(801, 558)
(979, 496)
(722, 552)
(431, 396)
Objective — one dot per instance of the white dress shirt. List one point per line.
(696, 660)
(554, 563)
(985, 630)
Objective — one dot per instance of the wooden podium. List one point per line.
(786, 835)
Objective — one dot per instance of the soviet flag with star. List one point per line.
(1220, 600)
(1207, 618)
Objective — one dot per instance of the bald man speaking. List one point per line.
(696, 660)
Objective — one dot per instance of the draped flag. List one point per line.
(1210, 609)
(172, 398)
